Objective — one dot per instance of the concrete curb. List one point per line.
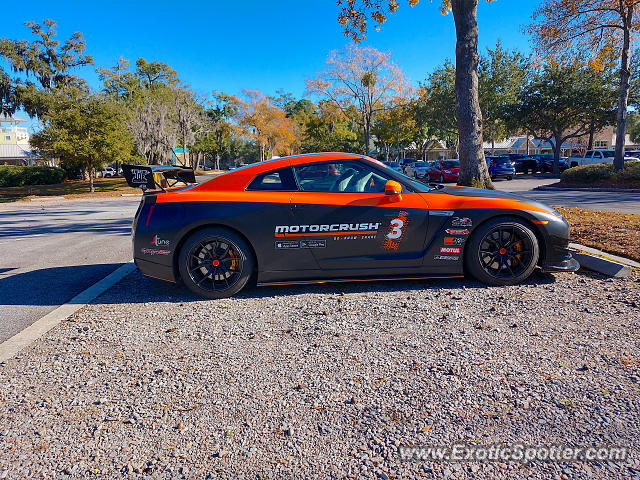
(13, 345)
(586, 189)
(602, 265)
(576, 247)
(602, 262)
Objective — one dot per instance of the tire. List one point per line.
(493, 177)
(491, 252)
(509, 177)
(234, 267)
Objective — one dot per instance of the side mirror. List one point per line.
(392, 188)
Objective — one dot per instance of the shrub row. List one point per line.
(602, 172)
(17, 176)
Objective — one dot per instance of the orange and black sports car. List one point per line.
(332, 217)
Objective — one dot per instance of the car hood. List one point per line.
(480, 194)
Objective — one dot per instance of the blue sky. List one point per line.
(265, 45)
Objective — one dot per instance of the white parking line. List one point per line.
(13, 345)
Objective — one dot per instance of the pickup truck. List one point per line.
(596, 156)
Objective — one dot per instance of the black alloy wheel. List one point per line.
(502, 252)
(215, 263)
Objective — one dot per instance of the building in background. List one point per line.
(14, 144)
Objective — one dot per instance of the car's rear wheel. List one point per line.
(509, 177)
(215, 263)
(503, 251)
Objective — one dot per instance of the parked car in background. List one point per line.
(546, 164)
(592, 157)
(500, 167)
(417, 169)
(632, 153)
(108, 172)
(522, 162)
(405, 162)
(444, 170)
(394, 166)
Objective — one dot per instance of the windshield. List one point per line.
(502, 160)
(394, 164)
(451, 164)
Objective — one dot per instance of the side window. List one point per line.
(275, 180)
(346, 177)
(588, 154)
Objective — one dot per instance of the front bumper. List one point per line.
(566, 265)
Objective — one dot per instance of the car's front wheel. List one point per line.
(216, 263)
(503, 251)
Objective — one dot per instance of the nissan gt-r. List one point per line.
(334, 217)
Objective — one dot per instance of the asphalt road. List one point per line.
(52, 250)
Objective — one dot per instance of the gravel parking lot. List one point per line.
(327, 381)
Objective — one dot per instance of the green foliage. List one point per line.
(563, 102)
(436, 104)
(17, 176)
(501, 76)
(85, 131)
(602, 173)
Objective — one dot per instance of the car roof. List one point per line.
(238, 179)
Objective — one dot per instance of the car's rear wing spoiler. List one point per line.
(151, 177)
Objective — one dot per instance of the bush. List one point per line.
(17, 176)
(602, 172)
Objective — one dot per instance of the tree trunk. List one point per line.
(623, 95)
(557, 147)
(473, 168)
(592, 131)
(367, 128)
(493, 137)
(91, 175)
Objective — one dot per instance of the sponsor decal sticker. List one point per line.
(441, 213)
(139, 176)
(446, 257)
(453, 240)
(457, 231)
(325, 230)
(450, 250)
(461, 222)
(155, 251)
(313, 244)
(159, 242)
(395, 234)
(287, 244)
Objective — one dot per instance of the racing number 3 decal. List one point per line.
(397, 227)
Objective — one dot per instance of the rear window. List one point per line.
(502, 160)
(394, 164)
(275, 180)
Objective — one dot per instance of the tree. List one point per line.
(267, 124)
(189, 116)
(47, 62)
(83, 130)
(328, 129)
(501, 74)
(354, 17)
(216, 132)
(394, 126)
(364, 77)
(597, 30)
(558, 105)
(435, 108)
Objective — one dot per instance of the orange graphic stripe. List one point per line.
(325, 234)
